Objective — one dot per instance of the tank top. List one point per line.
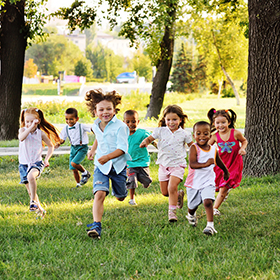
(30, 149)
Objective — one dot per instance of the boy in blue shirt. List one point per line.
(78, 137)
(138, 167)
(111, 146)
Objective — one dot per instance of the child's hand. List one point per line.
(90, 155)
(34, 123)
(102, 160)
(57, 144)
(46, 163)
(226, 175)
(209, 162)
(143, 144)
(242, 152)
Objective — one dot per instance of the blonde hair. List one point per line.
(44, 125)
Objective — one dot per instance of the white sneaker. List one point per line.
(209, 230)
(216, 212)
(192, 219)
(132, 202)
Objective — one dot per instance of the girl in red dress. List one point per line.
(231, 144)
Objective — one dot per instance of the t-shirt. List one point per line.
(140, 156)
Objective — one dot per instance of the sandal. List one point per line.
(33, 206)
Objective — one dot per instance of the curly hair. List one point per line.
(213, 114)
(93, 97)
(176, 110)
(44, 125)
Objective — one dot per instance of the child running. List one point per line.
(200, 182)
(171, 155)
(78, 137)
(111, 155)
(228, 140)
(138, 167)
(33, 130)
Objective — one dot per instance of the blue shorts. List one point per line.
(101, 182)
(24, 170)
(77, 154)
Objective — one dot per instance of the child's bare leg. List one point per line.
(78, 167)
(221, 196)
(98, 206)
(173, 190)
(76, 175)
(208, 205)
(31, 177)
(164, 188)
(132, 193)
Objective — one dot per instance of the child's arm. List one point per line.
(147, 141)
(92, 150)
(57, 144)
(239, 137)
(221, 164)
(118, 152)
(189, 144)
(194, 164)
(23, 133)
(212, 140)
(50, 148)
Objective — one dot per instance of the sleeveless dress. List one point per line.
(228, 151)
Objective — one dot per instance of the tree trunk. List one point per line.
(262, 128)
(163, 69)
(12, 49)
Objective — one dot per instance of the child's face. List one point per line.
(105, 111)
(131, 121)
(221, 123)
(172, 121)
(71, 119)
(29, 119)
(202, 134)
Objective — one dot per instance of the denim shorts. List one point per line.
(196, 197)
(24, 169)
(101, 182)
(77, 154)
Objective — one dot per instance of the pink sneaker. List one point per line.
(172, 217)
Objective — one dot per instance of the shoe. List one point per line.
(180, 202)
(209, 230)
(85, 178)
(33, 206)
(95, 230)
(216, 212)
(192, 219)
(132, 202)
(172, 217)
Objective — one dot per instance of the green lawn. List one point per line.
(137, 242)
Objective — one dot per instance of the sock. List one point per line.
(78, 184)
(84, 173)
(172, 207)
(210, 224)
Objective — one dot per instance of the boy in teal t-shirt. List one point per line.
(138, 167)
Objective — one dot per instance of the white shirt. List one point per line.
(31, 148)
(74, 133)
(171, 146)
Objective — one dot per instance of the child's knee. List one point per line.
(208, 203)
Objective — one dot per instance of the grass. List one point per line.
(137, 242)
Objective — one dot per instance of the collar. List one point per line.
(114, 119)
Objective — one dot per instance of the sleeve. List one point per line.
(63, 133)
(86, 128)
(146, 134)
(156, 132)
(122, 138)
(188, 137)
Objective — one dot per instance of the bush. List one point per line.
(227, 93)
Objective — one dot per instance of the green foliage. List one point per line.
(83, 68)
(137, 242)
(187, 74)
(227, 93)
(50, 89)
(55, 54)
(142, 66)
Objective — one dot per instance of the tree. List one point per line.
(262, 128)
(30, 68)
(83, 68)
(142, 65)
